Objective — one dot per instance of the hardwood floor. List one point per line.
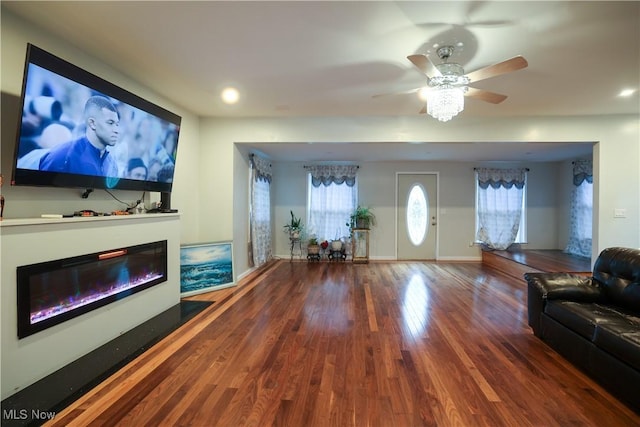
(544, 260)
(379, 344)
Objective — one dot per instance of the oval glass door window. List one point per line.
(417, 214)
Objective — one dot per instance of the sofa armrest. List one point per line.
(567, 286)
(542, 287)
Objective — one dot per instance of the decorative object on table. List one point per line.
(337, 250)
(295, 230)
(362, 217)
(205, 267)
(294, 227)
(313, 249)
(324, 245)
(336, 245)
(312, 246)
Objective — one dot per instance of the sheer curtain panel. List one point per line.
(580, 224)
(260, 211)
(332, 197)
(499, 205)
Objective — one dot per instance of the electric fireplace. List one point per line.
(53, 292)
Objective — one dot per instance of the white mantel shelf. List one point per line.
(38, 221)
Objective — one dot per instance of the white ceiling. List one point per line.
(329, 58)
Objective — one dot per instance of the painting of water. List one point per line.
(205, 267)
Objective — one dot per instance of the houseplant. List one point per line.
(336, 244)
(294, 227)
(361, 217)
(313, 248)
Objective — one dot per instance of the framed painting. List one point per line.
(205, 267)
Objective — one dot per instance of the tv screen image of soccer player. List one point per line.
(78, 130)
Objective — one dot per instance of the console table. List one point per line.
(360, 245)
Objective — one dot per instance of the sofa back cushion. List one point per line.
(617, 270)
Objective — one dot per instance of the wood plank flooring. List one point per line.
(378, 344)
(547, 260)
(516, 263)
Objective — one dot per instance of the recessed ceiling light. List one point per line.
(230, 95)
(627, 92)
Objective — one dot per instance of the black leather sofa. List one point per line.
(594, 322)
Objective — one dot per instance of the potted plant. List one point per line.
(313, 248)
(294, 227)
(361, 217)
(336, 244)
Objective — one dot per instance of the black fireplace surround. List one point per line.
(53, 292)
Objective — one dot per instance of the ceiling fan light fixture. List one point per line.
(445, 102)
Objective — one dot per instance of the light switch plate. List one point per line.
(619, 213)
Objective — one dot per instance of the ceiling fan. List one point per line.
(447, 80)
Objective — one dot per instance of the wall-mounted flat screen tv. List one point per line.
(78, 130)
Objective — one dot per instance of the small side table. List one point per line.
(313, 257)
(340, 255)
(360, 242)
(294, 242)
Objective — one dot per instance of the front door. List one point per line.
(416, 209)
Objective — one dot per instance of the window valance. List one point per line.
(262, 167)
(582, 171)
(497, 178)
(337, 174)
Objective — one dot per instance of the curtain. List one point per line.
(333, 174)
(580, 225)
(499, 204)
(333, 196)
(260, 211)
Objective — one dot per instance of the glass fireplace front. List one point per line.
(53, 292)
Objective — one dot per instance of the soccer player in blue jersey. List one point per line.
(88, 155)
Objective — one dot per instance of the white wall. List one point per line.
(27, 360)
(563, 202)
(23, 202)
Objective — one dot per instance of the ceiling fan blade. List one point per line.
(404, 92)
(485, 95)
(425, 65)
(513, 64)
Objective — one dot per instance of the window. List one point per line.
(417, 214)
(329, 207)
(260, 211)
(500, 207)
(580, 227)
